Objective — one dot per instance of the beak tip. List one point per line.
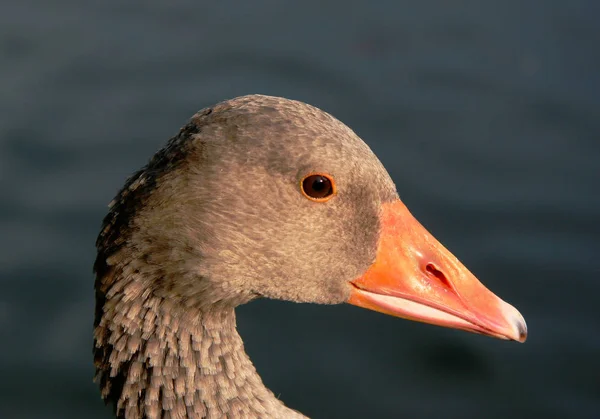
(519, 327)
(522, 329)
(517, 330)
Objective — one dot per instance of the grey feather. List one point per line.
(214, 220)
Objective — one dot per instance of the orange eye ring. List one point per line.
(318, 187)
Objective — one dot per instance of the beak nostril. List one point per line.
(437, 274)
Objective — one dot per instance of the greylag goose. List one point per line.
(258, 197)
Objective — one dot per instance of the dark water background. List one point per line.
(487, 115)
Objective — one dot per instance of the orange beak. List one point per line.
(415, 277)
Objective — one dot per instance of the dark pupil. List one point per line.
(317, 186)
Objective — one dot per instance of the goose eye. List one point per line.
(318, 187)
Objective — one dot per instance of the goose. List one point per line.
(258, 197)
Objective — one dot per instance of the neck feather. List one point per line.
(155, 359)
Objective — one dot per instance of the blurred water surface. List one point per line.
(487, 115)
